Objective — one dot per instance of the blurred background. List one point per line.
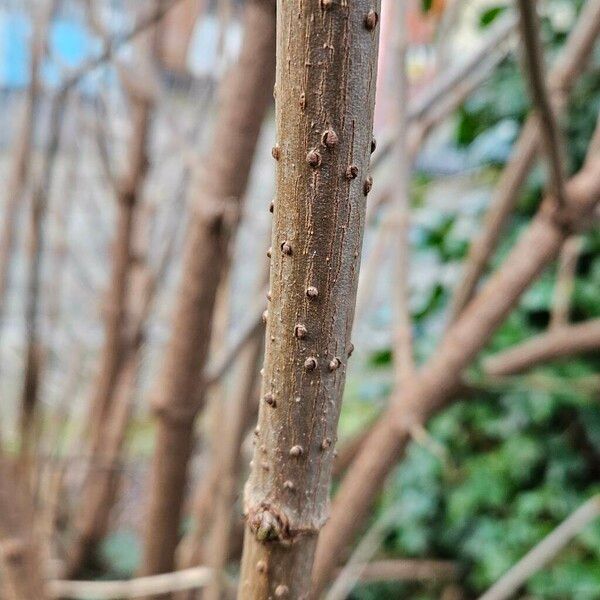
(490, 476)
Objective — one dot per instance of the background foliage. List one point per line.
(505, 465)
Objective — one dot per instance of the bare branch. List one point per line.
(557, 343)
(433, 387)
(565, 281)
(404, 363)
(544, 552)
(535, 68)
(422, 570)
(563, 76)
(186, 579)
(111, 47)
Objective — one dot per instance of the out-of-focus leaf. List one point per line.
(488, 16)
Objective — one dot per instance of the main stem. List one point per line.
(325, 94)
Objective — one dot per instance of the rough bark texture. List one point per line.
(433, 387)
(561, 80)
(559, 342)
(220, 188)
(325, 93)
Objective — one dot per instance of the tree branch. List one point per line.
(544, 552)
(568, 68)
(557, 343)
(534, 66)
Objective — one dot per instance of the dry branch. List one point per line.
(433, 387)
(544, 552)
(408, 570)
(559, 342)
(404, 362)
(177, 581)
(535, 69)
(562, 77)
(21, 572)
(219, 192)
(21, 159)
(32, 297)
(565, 281)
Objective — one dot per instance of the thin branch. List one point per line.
(565, 281)
(404, 364)
(563, 76)
(445, 83)
(544, 552)
(534, 63)
(421, 570)
(187, 579)
(349, 576)
(218, 366)
(111, 47)
(556, 343)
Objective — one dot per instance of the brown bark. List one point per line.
(559, 342)
(20, 167)
(433, 387)
(115, 323)
(404, 362)
(348, 451)
(21, 576)
(325, 93)
(562, 77)
(408, 570)
(176, 33)
(220, 188)
(565, 281)
(129, 297)
(37, 222)
(238, 409)
(535, 69)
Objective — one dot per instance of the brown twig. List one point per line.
(535, 69)
(559, 342)
(537, 558)
(563, 76)
(565, 281)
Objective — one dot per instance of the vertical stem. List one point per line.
(21, 569)
(403, 346)
(565, 281)
(20, 167)
(325, 94)
(535, 70)
(37, 230)
(247, 91)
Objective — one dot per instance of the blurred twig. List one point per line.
(544, 552)
(535, 70)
